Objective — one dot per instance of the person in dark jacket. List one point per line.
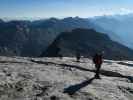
(97, 60)
(78, 56)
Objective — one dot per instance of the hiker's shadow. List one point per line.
(74, 88)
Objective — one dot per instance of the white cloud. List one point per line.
(125, 10)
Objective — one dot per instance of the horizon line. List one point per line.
(59, 17)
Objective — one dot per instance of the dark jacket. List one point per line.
(97, 59)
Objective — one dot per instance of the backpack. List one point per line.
(97, 59)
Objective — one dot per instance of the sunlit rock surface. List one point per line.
(64, 79)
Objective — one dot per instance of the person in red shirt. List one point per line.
(97, 60)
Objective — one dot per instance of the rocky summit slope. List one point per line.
(64, 79)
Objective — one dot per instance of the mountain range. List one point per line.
(26, 38)
(33, 38)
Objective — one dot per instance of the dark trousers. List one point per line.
(98, 66)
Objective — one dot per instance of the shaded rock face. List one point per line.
(87, 42)
(66, 79)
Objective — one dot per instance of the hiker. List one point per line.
(78, 56)
(60, 56)
(97, 60)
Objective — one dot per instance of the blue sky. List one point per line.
(63, 8)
